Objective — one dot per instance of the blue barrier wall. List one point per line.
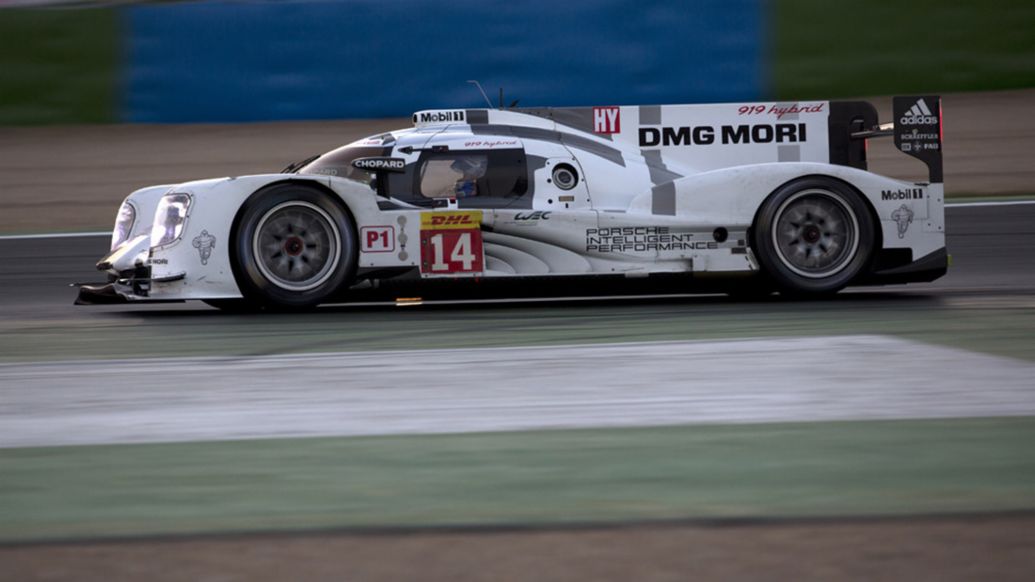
(249, 61)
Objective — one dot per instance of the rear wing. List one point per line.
(917, 129)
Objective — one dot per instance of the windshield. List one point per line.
(339, 163)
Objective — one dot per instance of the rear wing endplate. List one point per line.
(917, 128)
(918, 131)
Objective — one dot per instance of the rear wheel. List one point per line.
(294, 247)
(814, 236)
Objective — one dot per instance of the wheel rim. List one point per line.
(296, 246)
(816, 233)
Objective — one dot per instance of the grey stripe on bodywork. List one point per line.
(477, 116)
(788, 116)
(534, 164)
(650, 115)
(579, 118)
(663, 199)
(659, 172)
(788, 153)
(566, 139)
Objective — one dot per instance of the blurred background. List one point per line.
(246, 61)
(172, 91)
(885, 433)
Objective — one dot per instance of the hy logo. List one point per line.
(607, 120)
(919, 114)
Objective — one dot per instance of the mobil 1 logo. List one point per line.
(918, 130)
(902, 194)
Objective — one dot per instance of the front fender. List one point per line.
(197, 265)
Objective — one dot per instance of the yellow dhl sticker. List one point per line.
(466, 219)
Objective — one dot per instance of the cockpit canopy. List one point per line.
(485, 178)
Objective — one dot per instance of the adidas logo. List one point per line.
(919, 114)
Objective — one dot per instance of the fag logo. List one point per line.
(919, 114)
(607, 120)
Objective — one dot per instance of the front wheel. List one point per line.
(294, 247)
(814, 236)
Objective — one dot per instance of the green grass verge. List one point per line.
(843, 48)
(58, 66)
(554, 477)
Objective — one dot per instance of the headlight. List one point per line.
(170, 217)
(123, 224)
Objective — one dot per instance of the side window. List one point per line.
(482, 178)
(454, 176)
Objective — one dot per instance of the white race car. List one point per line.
(776, 191)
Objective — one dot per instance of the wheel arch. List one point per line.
(308, 182)
(840, 186)
(878, 231)
(312, 184)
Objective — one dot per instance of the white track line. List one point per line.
(497, 389)
(108, 232)
(989, 203)
(53, 235)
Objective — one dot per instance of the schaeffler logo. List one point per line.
(606, 120)
(919, 114)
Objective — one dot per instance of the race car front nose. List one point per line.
(131, 254)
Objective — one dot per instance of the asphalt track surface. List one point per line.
(992, 266)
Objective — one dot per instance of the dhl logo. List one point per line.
(466, 220)
(440, 220)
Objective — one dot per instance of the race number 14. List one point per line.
(451, 251)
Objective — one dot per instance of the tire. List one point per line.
(294, 246)
(814, 236)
